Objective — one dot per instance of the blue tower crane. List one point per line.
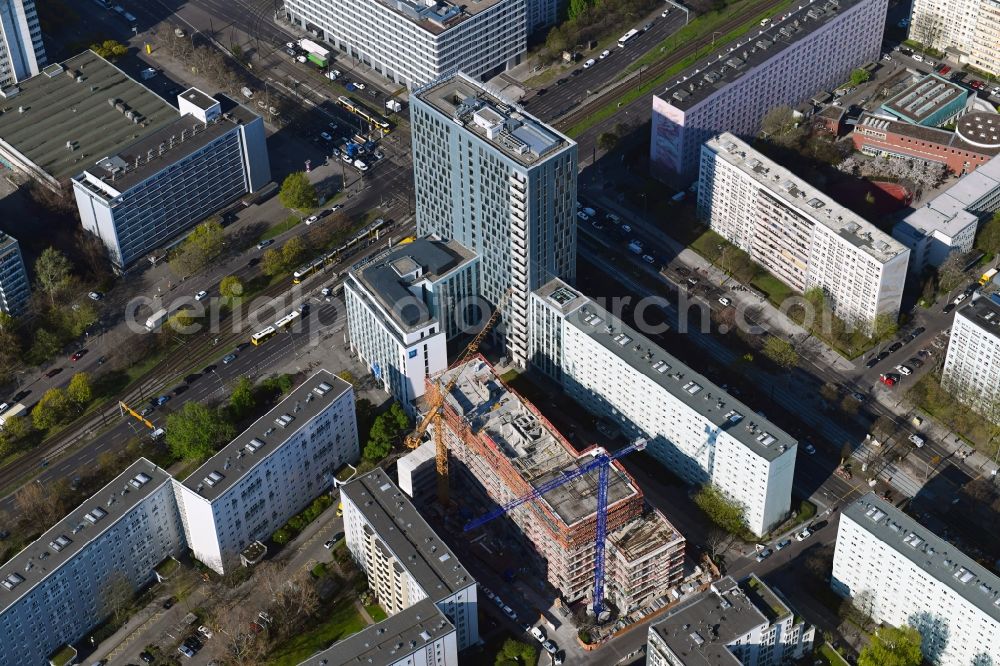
(601, 462)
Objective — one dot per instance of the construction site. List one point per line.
(506, 458)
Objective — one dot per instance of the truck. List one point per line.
(985, 278)
(393, 105)
(351, 149)
(156, 319)
(15, 410)
(310, 46)
(317, 60)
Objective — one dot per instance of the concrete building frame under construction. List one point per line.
(505, 448)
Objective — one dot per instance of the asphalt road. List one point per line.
(564, 94)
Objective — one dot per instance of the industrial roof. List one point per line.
(395, 277)
(65, 118)
(401, 529)
(220, 472)
(738, 58)
(694, 390)
(499, 123)
(534, 448)
(78, 529)
(437, 16)
(699, 630)
(808, 201)
(390, 641)
(925, 97)
(927, 551)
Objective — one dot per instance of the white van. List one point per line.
(247, 92)
(158, 433)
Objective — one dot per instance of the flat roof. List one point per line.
(391, 276)
(984, 312)
(948, 212)
(699, 629)
(6, 241)
(936, 135)
(925, 97)
(389, 641)
(694, 390)
(535, 449)
(927, 551)
(437, 16)
(648, 533)
(78, 529)
(738, 58)
(401, 528)
(237, 458)
(980, 129)
(500, 123)
(157, 150)
(53, 111)
(805, 199)
(198, 98)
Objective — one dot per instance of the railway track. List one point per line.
(656, 69)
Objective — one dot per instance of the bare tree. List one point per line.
(718, 540)
(37, 506)
(927, 28)
(116, 597)
(244, 637)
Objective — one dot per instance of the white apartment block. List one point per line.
(502, 447)
(815, 46)
(948, 222)
(901, 573)
(501, 183)
(800, 235)
(14, 287)
(416, 473)
(693, 427)
(730, 624)
(270, 472)
(144, 195)
(972, 366)
(22, 53)
(71, 578)
(968, 30)
(403, 306)
(413, 573)
(414, 42)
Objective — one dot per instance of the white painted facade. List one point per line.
(22, 53)
(412, 42)
(800, 235)
(14, 287)
(623, 377)
(270, 472)
(972, 366)
(968, 30)
(901, 573)
(73, 576)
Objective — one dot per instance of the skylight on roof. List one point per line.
(213, 478)
(284, 420)
(254, 444)
(912, 540)
(734, 416)
(661, 367)
(622, 339)
(13, 580)
(322, 389)
(140, 479)
(964, 575)
(875, 514)
(692, 387)
(95, 514)
(766, 438)
(59, 543)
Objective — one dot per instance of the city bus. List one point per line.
(628, 37)
(287, 320)
(263, 336)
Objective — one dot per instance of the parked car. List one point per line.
(590, 63)
(550, 647)
(264, 243)
(916, 440)
(583, 217)
(888, 380)
(803, 535)
(872, 362)
(329, 544)
(146, 657)
(538, 634)
(605, 53)
(186, 651)
(205, 631)
(809, 448)
(228, 358)
(915, 362)
(95, 295)
(763, 555)
(147, 410)
(78, 354)
(783, 544)
(325, 136)
(201, 295)
(53, 372)
(159, 401)
(648, 258)
(311, 219)
(725, 301)
(895, 346)
(169, 603)
(509, 612)
(904, 370)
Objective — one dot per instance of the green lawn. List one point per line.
(830, 656)
(290, 222)
(376, 612)
(339, 622)
(776, 290)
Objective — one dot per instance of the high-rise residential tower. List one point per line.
(22, 53)
(501, 183)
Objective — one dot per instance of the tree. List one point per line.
(297, 192)
(781, 352)
(348, 377)
(242, 400)
(607, 141)
(829, 392)
(231, 287)
(79, 390)
(577, 8)
(951, 272)
(194, 432)
(37, 506)
(51, 410)
(399, 417)
(293, 251)
(516, 652)
(883, 428)
(52, 270)
(199, 249)
(116, 594)
(926, 28)
(272, 263)
(376, 449)
(109, 49)
(718, 540)
(892, 646)
(859, 76)
(778, 122)
(885, 326)
(850, 404)
(988, 236)
(721, 510)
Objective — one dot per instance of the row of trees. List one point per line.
(724, 512)
(58, 406)
(588, 20)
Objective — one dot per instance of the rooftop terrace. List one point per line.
(78, 529)
(76, 112)
(806, 199)
(534, 448)
(738, 58)
(234, 460)
(927, 551)
(399, 526)
(688, 386)
(502, 124)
